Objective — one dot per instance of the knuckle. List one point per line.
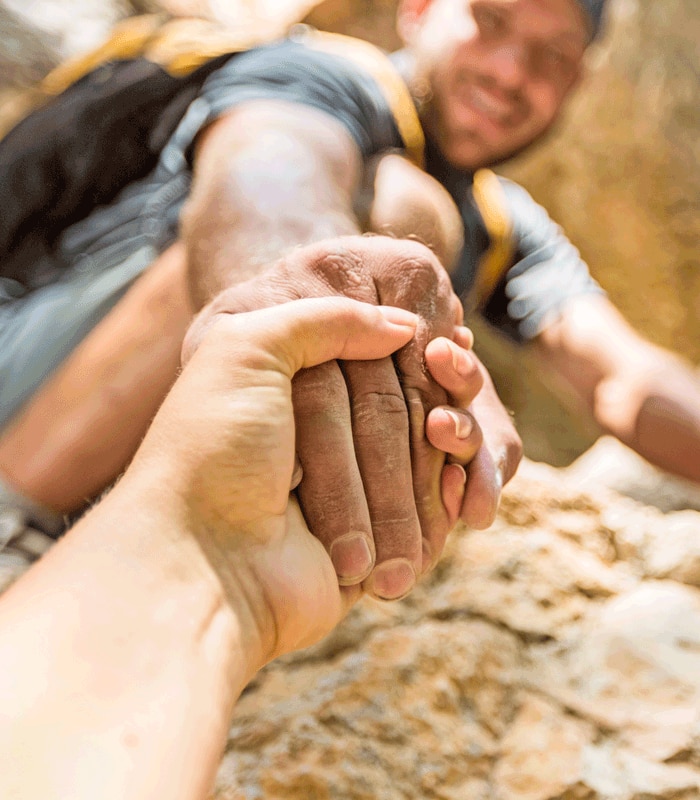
(418, 282)
(375, 410)
(336, 268)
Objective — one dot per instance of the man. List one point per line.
(200, 588)
(275, 141)
(498, 74)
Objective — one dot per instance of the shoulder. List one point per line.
(348, 78)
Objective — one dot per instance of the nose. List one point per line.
(507, 66)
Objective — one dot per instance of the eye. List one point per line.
(489, 21)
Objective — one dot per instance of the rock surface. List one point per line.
(550, 657)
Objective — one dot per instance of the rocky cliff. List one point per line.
(554, 657)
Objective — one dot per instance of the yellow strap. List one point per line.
(182, 45)
(491, 202)
(389, 80)
(178, 45)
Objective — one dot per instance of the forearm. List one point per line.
(82, 427)
(121, 663)
(268, 177)
(657, 414)
(644, 395)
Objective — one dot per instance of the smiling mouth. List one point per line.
(496, 110)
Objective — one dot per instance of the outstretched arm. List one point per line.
(640, 393)
(269, 176)
(125, 648)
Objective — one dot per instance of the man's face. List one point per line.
(498, 70)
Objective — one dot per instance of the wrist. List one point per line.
(175, 576)
(130, 621)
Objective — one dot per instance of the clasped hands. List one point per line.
(312, 384)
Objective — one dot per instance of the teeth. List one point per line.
(490, 105)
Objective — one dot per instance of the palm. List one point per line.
(298, 581)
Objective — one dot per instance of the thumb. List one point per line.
(304, 333)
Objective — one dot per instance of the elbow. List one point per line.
(615, 405)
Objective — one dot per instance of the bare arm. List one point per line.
(124, 650)
(644, 395)
(269, 176)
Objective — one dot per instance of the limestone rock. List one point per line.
(539, 661)
(609, 463)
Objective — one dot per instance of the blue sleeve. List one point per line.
(292, 72)
(547, 274)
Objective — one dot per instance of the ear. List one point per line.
(409, 17)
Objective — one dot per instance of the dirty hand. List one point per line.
(374, 491)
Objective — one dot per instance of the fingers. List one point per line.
(406, 275)
(453, 483)
(331, 492)
(455, 369)
(452, 428)
(428, 464)
(333, 327)
(381, 435)
(422, 285)
(475, 430)
(454, 431)
(496, 461)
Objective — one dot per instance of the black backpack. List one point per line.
(103, 124)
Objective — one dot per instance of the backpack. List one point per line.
(102, 124)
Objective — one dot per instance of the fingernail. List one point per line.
(393, 579)
(467, 336)
(462, 472)
(352, 558)
(297, 475)
(399, 316)
(463, 424)
(462, 362)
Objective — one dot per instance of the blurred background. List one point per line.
(621, 173)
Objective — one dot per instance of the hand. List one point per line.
(195, 570)
(221, 453)
(372, 482)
